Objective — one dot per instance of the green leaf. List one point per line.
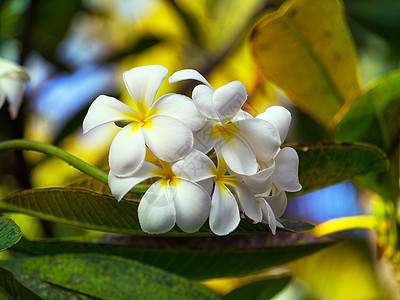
(28, 287)
(13, 289)
(87, 209)
(10, 233)
(103, 277)
(259, 290)
(306, 49)
(196, 258)
(323, 165)
(374, 118)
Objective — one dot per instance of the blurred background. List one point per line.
(76, 50)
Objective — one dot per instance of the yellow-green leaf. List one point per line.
(306, 49)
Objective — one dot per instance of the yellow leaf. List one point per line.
(306, 49)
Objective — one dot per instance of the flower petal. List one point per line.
(207, 185)
(105, 109)
(248, 203)
(180, 107)
(168, 138)
(2, 96)
(268, 214)
(228, 100)
(127, 150)
(286, 172)
(195, 166)
(237, 154)
(203, 98)
(204, 140)
(120, 186)
(143, 83)
(278, 203)
(12, 70)
(241, 115)
(261, 135)
(261, 181)
(188, 74)
(156, 209)
(224, 213)
(14, 92)
(278, 116)
(192, 205)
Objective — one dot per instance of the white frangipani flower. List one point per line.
(12, 77)
(228, 195)
(240, 141)
(172, 199)
(165, 126)
(271, 184)
(278, 175)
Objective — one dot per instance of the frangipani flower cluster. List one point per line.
(248, 178)
(12, 78)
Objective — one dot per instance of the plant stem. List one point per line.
(21, 144)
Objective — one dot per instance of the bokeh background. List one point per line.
(76, 50)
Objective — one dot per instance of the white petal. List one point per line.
(204, 140)
(127, 151)
(207, 184)
(168, 138)
(286, 172)
(261, 135)
(143, 82)
(228, 100)
(241, 115)
(14, 91)
(180, 107)
(248, 202)
(280, 117)
(104, 110)
(192, 205)
(261, 181)
(268, 214)
(188, 74)
(156, 209)
(120, 186)
(13, 70)
(238, 155)
(203, 98)
(195, 166)
(224, 213)
(2, 95)
(278, 203)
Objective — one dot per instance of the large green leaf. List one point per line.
(374, 118)
(326, 164)
(196, 258)
(10, 233)
(306, 49)
(28, 287)
(102, 277)
(84, 208)
(13, 289)
(259, 290)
